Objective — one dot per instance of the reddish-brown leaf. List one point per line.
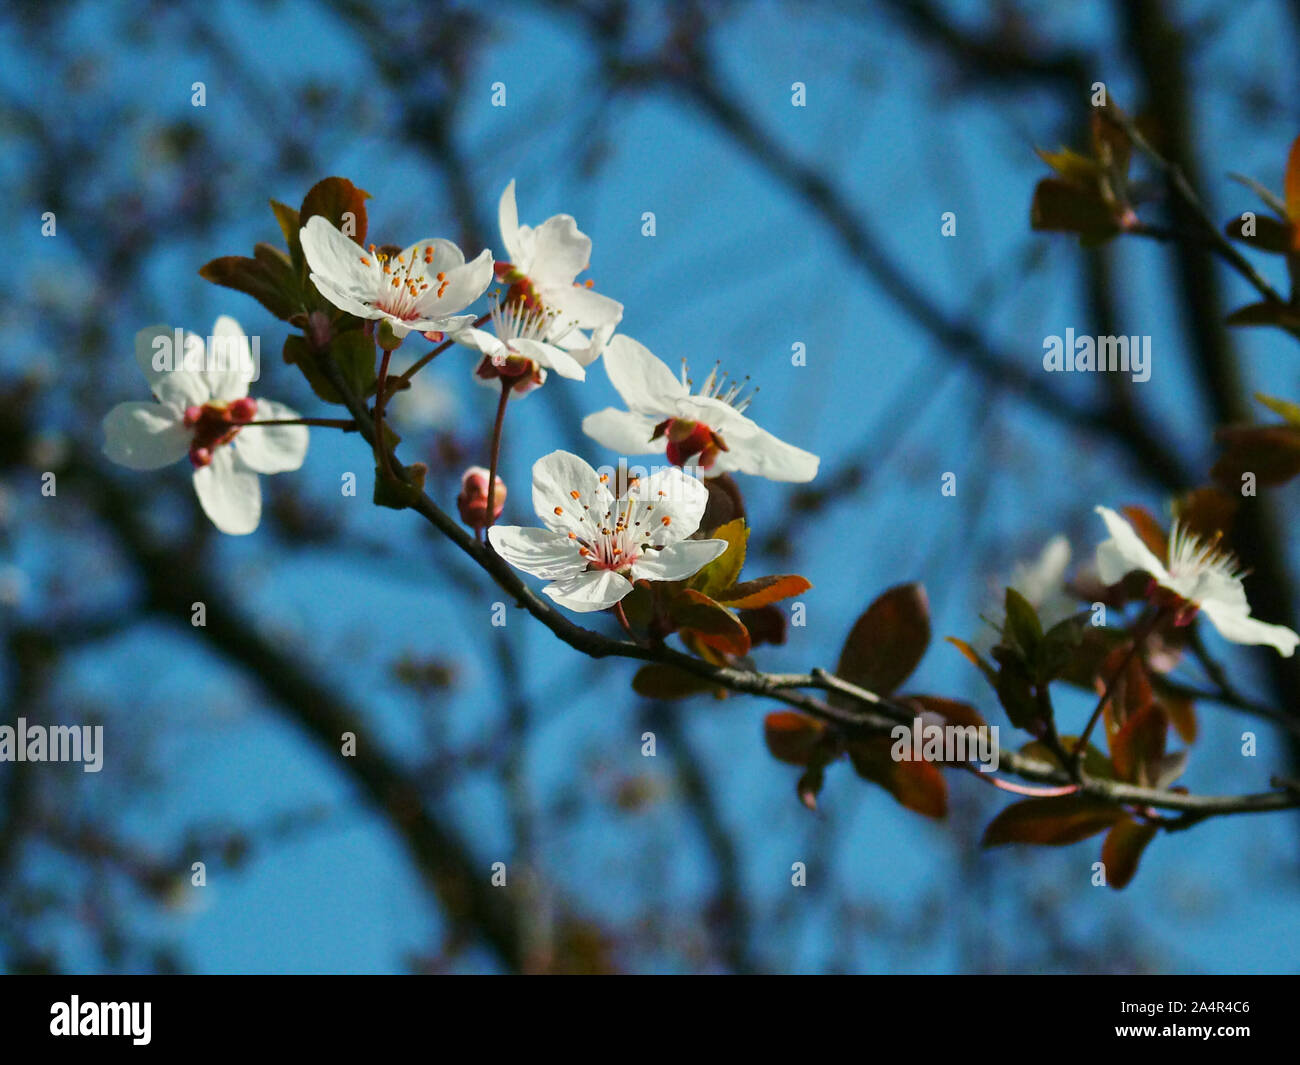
(1123, 848)
(792, 737)
(335, 198)
(917, 785)
(1270, 452)
(888, 640)
(1053, 822)
(1291, 184)
(764, 590)
(712, 623)
(1139, 743)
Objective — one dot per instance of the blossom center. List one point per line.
(615, 540)
(687, 439)
(405, 279)
(214, 424)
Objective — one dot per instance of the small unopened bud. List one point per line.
(472, 501)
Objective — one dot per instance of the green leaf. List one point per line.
(888, 641)
(659, 681)
(1288, 410)
(1052, 822)
(1015, 690)
(1122, 850)
(1057, 648)
(1023, 628)
(1095, 764)
(1062, 207)
(1076, 168)
(721, 573)
(287, 217)
(298, 353)
(395, 493)
(354, 352)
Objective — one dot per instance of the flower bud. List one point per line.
(472, 501)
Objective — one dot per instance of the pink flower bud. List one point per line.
(472, 501)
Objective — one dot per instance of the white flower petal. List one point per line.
(551, 357)
(556, 477)
(580, 305)
(756, 451)
(337, 258)
(541, 552)
(508, 220)
(674, 495)
(228, 361)
(1124, 552)
(229, 493)
(347, 300)
(482, 341)
(164, 367)
(277, 448)
(624, 432)
(1239, 627)
(646, 384)
(561, 251)
(677, 561)
(446, 257)
(594, 590)
(144, 436)
(464, 284)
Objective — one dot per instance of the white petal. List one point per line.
(561, 251)
(481, 341)
(541, 552)
(145, 436)
(1124, 552)
(464, 284)
(446, 256)
(677, 561)
(508, 219)
(1239, 627)
(337, 258)
(556, 477)
(228, 361)
(756, 451)
(346, 299)
(674, 495)
(646, 384)
(624, 432)
(551, 357)
(164, 367)
(579, 304)
(229, 493)
(277, 448)
(594, 590)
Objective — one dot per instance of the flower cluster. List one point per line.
(600, 538)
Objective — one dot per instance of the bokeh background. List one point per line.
(775, 225)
